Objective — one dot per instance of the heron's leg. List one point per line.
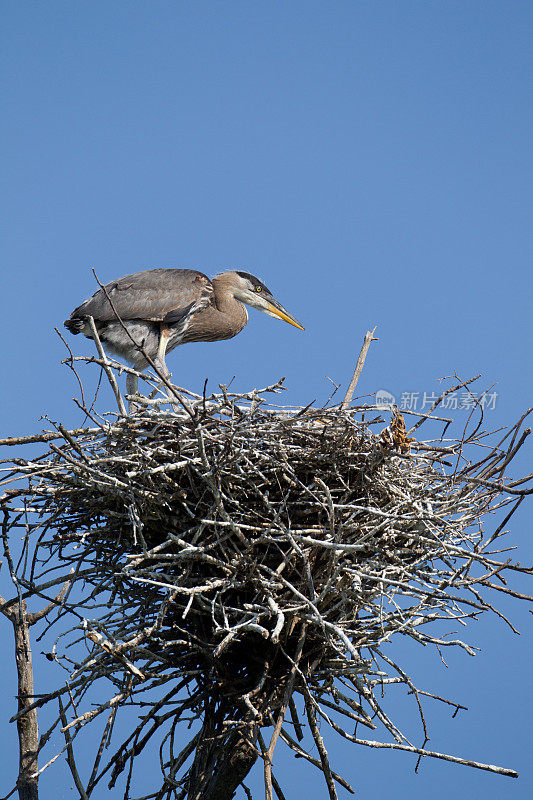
(132, 387)
(160, 362)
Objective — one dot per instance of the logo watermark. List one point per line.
(385, 401)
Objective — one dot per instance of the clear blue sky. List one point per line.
(371, 162)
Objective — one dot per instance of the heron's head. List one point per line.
(249, 289)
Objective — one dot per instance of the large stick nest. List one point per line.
(238, 554)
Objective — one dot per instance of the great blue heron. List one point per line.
(153, 311)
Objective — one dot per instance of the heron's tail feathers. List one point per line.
(75, 324)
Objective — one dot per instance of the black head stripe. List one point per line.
(253, 280)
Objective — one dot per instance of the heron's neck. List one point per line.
(233, 310)
(224, 298)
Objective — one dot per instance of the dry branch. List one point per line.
(367, 341)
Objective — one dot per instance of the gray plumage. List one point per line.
(162, 308)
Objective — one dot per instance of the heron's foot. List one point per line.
(167, 394)
(176, 407)
(162, 368)
(167, 375)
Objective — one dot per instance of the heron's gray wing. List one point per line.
(157, 295)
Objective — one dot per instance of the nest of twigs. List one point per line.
(230, 531)
(237, 555)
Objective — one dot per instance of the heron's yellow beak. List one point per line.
(284, 315)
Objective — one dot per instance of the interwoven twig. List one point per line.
(234, 557)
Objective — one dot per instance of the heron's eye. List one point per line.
(258, 289)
